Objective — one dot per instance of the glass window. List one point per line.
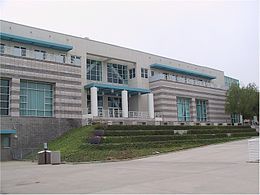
(132, 73)
(235, 118)
(117, 73)
(5, 95)
(36, 99)
(94, 70)
(183, 109)
(144, 73)
(201, 107)
(2, 48)
(152, 73)
(75, 60)
(114, 102)
(5, 140)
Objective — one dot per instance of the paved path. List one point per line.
(218, 168)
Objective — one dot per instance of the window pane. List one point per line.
(4, 90)
(23, 106)
(32, 85)
(23, 112)
(48, 107)
(48, 100)
(40, 113)
(4, 104)
(40, 100)
(4, 111)
(32, 97)
(4, 97)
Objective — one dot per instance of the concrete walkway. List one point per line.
(220, 169)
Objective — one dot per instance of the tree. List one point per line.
(244, 101)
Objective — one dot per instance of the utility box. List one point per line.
(44, 157)
(55, 158)
(253, 150)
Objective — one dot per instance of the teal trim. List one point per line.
(181, 71)
(40, 43)
(117, 87)
(8, 131)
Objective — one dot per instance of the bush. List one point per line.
(154, 127)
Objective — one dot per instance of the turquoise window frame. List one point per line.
(5, 97)
(183, 109)
(201, 109)
(36, 99)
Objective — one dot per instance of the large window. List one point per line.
(117, 73)
(144, 73)
(201, 106)
(132, 73)
(183, 109)
(36, 99)
(5, 94)
(94, 70)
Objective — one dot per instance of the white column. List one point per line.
(124, 95)
(150, 105)
(94, 101)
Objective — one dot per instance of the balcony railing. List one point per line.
(189, 81)
(38, 55)
(117, 113)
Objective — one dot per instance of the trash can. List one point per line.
(55, 158)
(44, 157)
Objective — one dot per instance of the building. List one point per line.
(52, 82)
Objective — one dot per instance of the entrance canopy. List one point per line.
(107, 88)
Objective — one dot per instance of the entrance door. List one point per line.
(115, 107)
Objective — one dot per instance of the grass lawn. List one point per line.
(74, 147)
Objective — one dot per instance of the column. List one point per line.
(94, 101)
(150, 105)
(124, 95)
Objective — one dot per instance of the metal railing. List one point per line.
(38, 55)
(189, 81)
(117, 113)
(138, 114)
(158, 114)
(112, 113)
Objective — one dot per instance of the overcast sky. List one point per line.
(218, 34)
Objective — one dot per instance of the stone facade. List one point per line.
(165, 100)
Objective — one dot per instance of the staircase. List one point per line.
(138, 137)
